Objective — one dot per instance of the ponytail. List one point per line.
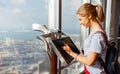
(95, 10)
(100, 13)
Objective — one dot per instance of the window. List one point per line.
(71, 26)
(20, 51)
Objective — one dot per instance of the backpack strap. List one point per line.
(101, 62)
(105, 36)
(107, 43)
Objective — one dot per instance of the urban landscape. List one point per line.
(21, 56)
(25, 57)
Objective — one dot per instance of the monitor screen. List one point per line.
(57, 46)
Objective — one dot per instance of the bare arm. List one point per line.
(88, 60)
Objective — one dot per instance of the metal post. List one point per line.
(108, 18)
(53, 63)
(54, 22)
(60, 21)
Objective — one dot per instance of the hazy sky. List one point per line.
(19, 15)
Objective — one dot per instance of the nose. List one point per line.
(80, 23)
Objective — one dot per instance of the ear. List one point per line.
(89, 16)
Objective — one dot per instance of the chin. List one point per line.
(86, 26)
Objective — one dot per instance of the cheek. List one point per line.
(84, 22)
(87, 22)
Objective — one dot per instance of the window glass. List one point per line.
(71, 26)
(20, 51)
(70, 22)
(96, 1)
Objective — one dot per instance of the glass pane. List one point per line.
(96, 1)
(20, 51)
(71, 26)
(70, 23)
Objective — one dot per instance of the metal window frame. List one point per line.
(54, 22)
(108, 18)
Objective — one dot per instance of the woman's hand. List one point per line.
(67, 49)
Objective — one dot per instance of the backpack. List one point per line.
(111, 64)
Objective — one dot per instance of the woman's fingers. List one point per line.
(66, 48)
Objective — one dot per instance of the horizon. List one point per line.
(17, 16)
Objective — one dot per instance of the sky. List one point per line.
(17, 17)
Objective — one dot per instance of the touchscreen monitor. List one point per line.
(57, 47)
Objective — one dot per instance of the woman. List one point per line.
(91, 16)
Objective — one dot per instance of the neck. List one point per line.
(95, 26)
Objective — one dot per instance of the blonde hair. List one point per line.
(88, 8)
